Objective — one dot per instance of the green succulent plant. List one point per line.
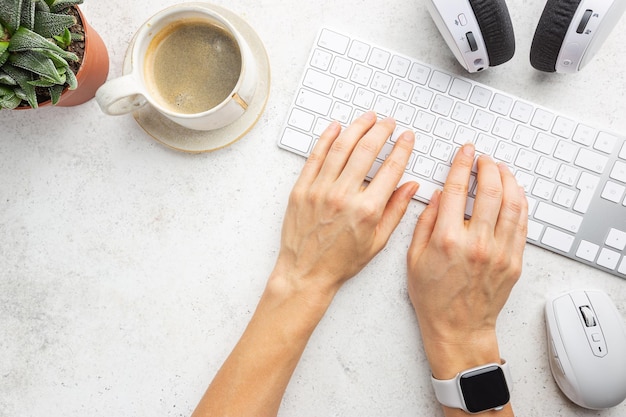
(34, 37)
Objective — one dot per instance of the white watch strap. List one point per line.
(448, 391)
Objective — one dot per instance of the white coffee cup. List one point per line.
(192, 40)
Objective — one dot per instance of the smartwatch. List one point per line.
(475, 390)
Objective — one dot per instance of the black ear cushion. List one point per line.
(495, 25)
(550, 33)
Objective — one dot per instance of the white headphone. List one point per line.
(568, 35)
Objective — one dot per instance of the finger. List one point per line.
(317, 157)
(394, 211)
(425, 225)
(366, 151)
(512, 225)
(488, 196)
(389, 174)
(454, 196)
(341, 149)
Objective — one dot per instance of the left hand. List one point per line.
(335, 225)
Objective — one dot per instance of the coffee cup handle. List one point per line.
(120, 96)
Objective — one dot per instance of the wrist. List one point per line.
(448, 358)
(304, 303)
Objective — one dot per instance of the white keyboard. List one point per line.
(574, 174)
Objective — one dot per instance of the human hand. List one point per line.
(334, 225)
(461, 272)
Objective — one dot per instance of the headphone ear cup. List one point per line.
(496, 28)
(550, 33)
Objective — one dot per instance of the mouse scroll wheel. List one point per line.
(588, 317)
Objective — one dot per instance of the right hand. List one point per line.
(461, 272)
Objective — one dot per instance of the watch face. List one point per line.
(484, 389)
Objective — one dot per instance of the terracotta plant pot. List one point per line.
(93, 71)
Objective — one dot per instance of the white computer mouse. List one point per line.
(587, 348)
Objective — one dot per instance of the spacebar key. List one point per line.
(426, 188)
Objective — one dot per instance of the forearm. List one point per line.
(253, 379)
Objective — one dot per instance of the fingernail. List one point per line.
(503, 167)
(468, 149)
(369, 115)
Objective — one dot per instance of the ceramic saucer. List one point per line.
(180, 138)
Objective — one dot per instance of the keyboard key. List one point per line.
(460, 89)
(480, 96)
(404, 113)
(522, 112)
(315, 102)
(379, 58)
(524, 136)
(424, 166)
(422, 97)
(567, 175)
(299, 141)
(381, 82)
(462, 112)
(558, 217)
(590, 160)
(505, 152)
(401, 90)
(361, 75)
(608, 258)
(341, 67)
(424, 121)
(343, 91)
(542, 119)
(587, 250)
(333, 41)
(341, 112)
(501, 104)
(558, 240)
(442, 105)
(584, 135)
(534, 230)
(613, 191)
(616, 239)
(565, 151)
(442, 150)
(605, 143)
(419, 73)
(546, 167)
(563, 127)
(399, 66)
(364, 98)
(485, 144)
(358, 51)
(564, 196)
(545, 143)
(483, 120)
(464, 135)
(383, 106)
(318, 81)
(444, 128)
(587, 185)
(503, 128)
(439, 81)
(619, 171)
(321, 59)
(301, 119)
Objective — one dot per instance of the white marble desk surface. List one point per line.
(128, 270)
